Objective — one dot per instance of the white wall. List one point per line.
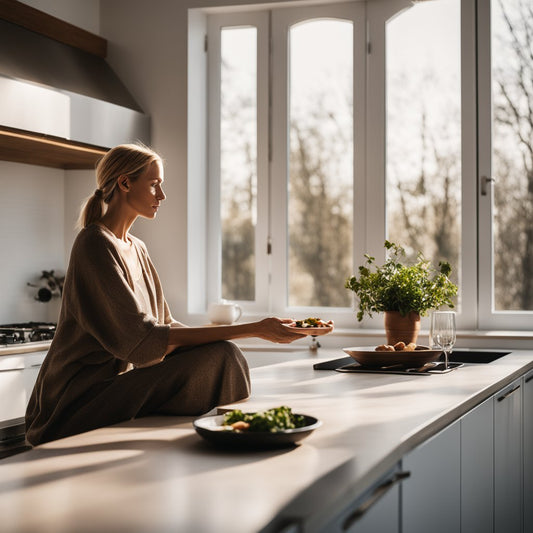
(39, 206)
(31, 238)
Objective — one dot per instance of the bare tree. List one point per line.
(513, 119)
(427, 217)
(320, 228)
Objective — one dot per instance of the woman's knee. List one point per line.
(233, 356)
(231, 351)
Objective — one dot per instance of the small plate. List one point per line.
(369, 357)
(311, 331)
(211, 429)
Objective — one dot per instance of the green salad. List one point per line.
(272, 420)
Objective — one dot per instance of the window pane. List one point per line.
(512, 153)
(423, 184)
(238, 161)
(321, 163)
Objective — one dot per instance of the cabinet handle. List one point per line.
(508, 393)
(529, 378)
(376, 495)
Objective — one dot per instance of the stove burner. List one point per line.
(26, 332)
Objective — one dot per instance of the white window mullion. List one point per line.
(214, 250)
(485, 253)
(263, 266)
(468, 317)
(279, 162)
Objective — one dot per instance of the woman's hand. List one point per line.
(272, 329)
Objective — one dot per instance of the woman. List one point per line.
(117, 353)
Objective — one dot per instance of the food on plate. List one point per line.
(398, 347)
(385, 348)
(272, 420)
(313, 323)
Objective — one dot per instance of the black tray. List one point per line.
(346, 364)
(438, 368)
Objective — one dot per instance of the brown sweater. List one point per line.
(113, 316)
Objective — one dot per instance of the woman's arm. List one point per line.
(270, 329)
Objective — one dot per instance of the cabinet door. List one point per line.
(477, 469)
(527, 417)
(508, 459)
(16, 385)
(431, 495)
(376, 510)
(13, 394)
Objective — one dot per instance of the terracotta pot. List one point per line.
(402, 328)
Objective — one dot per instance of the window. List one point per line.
(320, 176)
(238, 160)
(333, 127)
(284, 215)
(506, 162)
(423, 129)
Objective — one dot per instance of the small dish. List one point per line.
(211, 429)
(369, 357)
(311, 331)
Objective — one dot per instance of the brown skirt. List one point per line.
(188, 382)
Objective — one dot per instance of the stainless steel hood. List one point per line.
(51, 88)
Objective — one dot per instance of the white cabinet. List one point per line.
(13, 393)
(17, 378)
(475, 476)
(378, 509)
(508, 459)
(527, 417)
(431, 496)
(477, 469)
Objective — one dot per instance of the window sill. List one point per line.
(342, 337)
(461, 334)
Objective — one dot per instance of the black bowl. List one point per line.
(211, 429)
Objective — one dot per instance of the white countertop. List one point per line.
(24, 348)
(157, 475)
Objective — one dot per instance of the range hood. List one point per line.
(59, 92)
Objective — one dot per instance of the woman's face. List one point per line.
(145, 194)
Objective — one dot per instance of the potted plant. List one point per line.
(403, 292)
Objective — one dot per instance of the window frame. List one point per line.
(282, 20)
(259, 20)
(476, 278)
(489, 318)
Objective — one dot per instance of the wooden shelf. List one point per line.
(49, 26)
(21, 146)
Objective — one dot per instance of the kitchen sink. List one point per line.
(473, 356)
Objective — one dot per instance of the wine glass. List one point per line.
(442, 332)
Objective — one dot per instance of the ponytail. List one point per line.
(92, 210)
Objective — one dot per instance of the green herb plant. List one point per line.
(395, 286)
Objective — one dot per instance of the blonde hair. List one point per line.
(129, 160)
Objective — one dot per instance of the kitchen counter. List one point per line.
(157, 475)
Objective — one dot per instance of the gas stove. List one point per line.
(27, 332)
